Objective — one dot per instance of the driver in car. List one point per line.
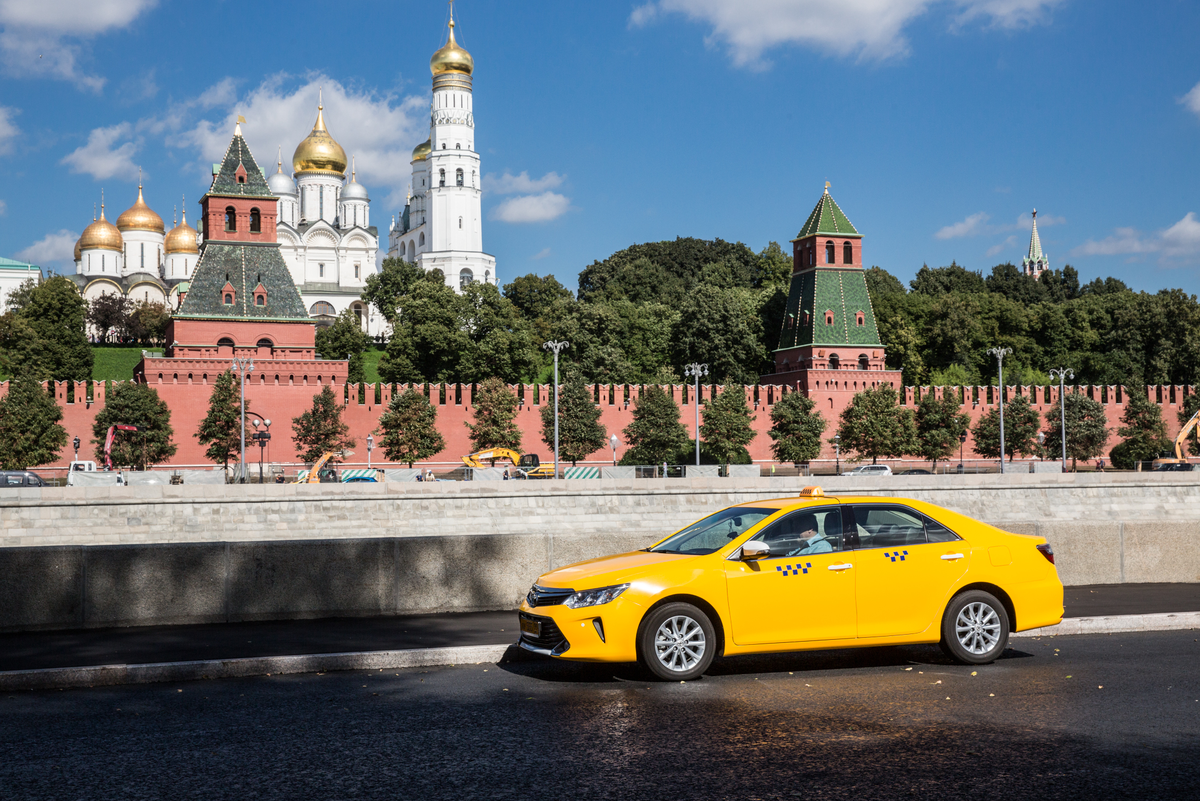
(813, 541)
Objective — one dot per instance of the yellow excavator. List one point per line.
(1164, 462)
(320, 473)
(528, 465)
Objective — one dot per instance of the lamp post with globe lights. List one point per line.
(1000, 353)
(695, 371)
(242, 366)
(1063, 373)
(556, 348)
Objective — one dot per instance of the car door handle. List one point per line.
(950, 557)
(840, 567)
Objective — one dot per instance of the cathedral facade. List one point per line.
(441, 227)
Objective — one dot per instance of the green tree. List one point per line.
(953, 376)
(940, 423)
(494, 415)
(726, 426)
(1087, 429)
(875, 425)
(427, 340)
(947, 280)
(796, 427)
(1021, 423)
(499, 343)
(880, 282)
(774, 268)
(387, 288)
(345, 338)
(30, 433)
(580, 432)
(1187, 410)
(320, 429)
(409, 428)
(535, 297)
(655, 434)
(221, 428)
(19, 298)
(108, 313)
(134, 405)
(1143, 432)
(147, 322)
(47, 335)
(720, 328)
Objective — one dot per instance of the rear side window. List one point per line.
(14, 481)
(936, 532)
(893, 526)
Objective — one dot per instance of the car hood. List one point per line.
(607, 570)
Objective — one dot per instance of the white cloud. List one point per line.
(102, 157)
(1005, 245)
(8, 129)
(3, 208)
(532, 208)
(53, 248)
(1179, 242)
(972, 226)
(1182, 238)
(509, 184)
(1192, 100)
(864, 28)
(541, 254)
(44, 38)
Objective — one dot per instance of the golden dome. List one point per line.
(319, 152)
(78, 250)
(140, 217)
(101, 235)
(181, 238)
(422, 151)
(451, 58)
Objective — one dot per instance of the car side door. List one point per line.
(802, 591)
(906, 564)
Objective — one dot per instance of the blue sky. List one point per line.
(939, 123)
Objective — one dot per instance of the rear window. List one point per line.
(713, 532)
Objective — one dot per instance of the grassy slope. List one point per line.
(115, 363)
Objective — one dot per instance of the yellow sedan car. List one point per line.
(796, 574)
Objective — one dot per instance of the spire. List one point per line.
(237, 129)
(102, 203)
(353, 171)
(174, 216)
(1035, 242)
(279, 163)
(183, 200)
(1036, 262)
(93, 212)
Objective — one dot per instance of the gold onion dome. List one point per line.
(78, 249)
(140, 217)
(319, 152)
(422, 151)
(451, 58)
(101, 235)
(181, 239)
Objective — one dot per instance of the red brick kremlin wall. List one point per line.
(292, 395)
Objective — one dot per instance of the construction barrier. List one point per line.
(582, 472)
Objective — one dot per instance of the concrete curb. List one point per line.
(1114, 624)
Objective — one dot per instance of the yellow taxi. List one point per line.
(796, 574)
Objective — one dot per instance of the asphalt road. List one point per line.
(1094, 717)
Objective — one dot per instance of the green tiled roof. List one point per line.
(245, 266)
(827, 219)
(841, 291)
(12, 264)
(226, 182)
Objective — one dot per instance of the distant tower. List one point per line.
(1036, 262)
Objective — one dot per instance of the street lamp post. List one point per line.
(76, 444)
(262, 438)
(556, 348)
(243, 365)
(1000, 353)
(613, 441)
(1063, 374)
(696, 370)
(370, 447)
(837, 454)
(962, 442)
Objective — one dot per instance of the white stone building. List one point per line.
(14, 273)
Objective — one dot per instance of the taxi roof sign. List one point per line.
(812, 492)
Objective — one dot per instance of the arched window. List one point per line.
(863, 362)
(487, 276)
(422, 238)
(465, 278)
(401, 248)
(260, 300)
(223, 342)
(230, 218)
(322, 308)
(460, 223)
(828, 317)
(860, 318)
(412, 248)
(255, 221)
(228, 298)
(358, 312)
(458, 147)
(829, 253)
(441, 177)
(472, 178)
(847, 253)
(835, 362)
(265, 343)
(458, 177)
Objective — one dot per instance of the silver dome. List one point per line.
(282, 184)
(355, 191)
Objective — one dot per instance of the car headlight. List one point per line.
(595, 597)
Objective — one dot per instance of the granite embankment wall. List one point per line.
(100, 556)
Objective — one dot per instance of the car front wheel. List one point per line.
(677, 642)
(975, 628)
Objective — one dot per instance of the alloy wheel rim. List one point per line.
(679, 643)
(978, 627)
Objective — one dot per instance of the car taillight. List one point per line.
(1047, 552)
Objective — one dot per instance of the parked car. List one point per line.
(916, 471)
(795, 574)
(1178, 467)
(20, 478)
(869, 470)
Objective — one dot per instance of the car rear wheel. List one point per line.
(677, 642)
(975, 628)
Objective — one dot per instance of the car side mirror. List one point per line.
(755, 550)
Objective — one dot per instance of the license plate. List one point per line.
(531, 627)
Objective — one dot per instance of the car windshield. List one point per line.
(713, 532)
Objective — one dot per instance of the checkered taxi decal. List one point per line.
(894, 555)
(791, 570)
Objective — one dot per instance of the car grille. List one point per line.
(547, 596)
(551, 639)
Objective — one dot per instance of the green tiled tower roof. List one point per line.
(244, 266)
(827, 219)
(226, 182)
(839, 290)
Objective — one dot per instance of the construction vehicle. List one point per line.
(1178, 459)
(321, 473)
(527, 465)
(108, 442)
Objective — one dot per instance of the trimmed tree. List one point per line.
(221, 428)
(796, 428)
(409, 428)
(1021, 423)
(580, 433)
(30, 434)
(940, 423)
(134, 405)
(1087, 430)
(495, 414)
(875, 425)
(655, 435)
(320, 429)
(1143, 432)
(345, 338)
(726, 425)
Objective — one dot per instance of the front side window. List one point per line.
(713, 532)
(803, 533)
